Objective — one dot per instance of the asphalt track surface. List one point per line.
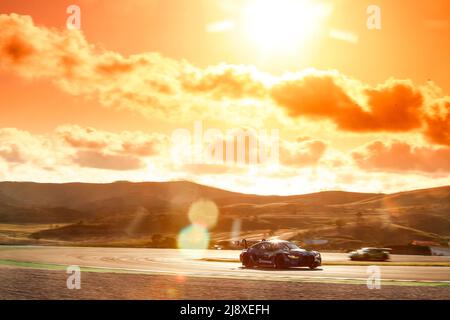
(192, 263)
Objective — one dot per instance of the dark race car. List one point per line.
(279, 254)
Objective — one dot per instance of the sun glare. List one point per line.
(282, 26)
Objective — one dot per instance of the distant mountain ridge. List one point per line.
(80, 195)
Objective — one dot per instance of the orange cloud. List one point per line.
(148, 83)
(11, 153)
(99, 156)
(85, 147)
(302, 153)
(16, 50)
(225, 81)
(128, 143)
(78, 137)
(438, 124)
(20, 147)
(400, 157)
(65, 57)
(395, 106)
(153, 84)
(102, 160)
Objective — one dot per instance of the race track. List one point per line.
(193, 263)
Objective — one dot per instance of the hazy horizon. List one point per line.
(224, 189)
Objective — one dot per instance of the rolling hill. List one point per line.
(125, 212)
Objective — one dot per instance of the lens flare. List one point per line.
(180, 278)
(172, 293)
(193, 237)
(204, 213)
(236, 229)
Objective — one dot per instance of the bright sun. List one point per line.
(282, 26)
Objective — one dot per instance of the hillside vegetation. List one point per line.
(153, 213)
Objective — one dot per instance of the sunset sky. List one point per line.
(356, 109)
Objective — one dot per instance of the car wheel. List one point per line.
(313, 266)
(247, 261)
(279, 262)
